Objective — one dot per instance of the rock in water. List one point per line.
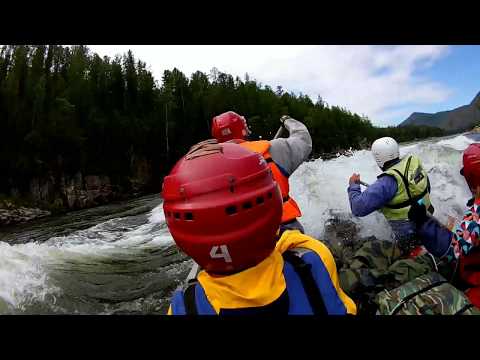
(11, 215)
(341, 237)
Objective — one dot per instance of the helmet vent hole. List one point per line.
(247, 205)
(270, 195)
(188, 216)
(260, 200)
(177, 215)
(231, 210)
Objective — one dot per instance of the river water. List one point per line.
(121, 259)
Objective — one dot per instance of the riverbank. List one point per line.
(17, 211)
(11, 214)
(60, 193)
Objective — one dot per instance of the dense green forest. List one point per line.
(65, 110)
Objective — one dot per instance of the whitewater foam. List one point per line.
(25, 269)
(320, 187)
(23, 279)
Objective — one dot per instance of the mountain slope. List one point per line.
(463, 117)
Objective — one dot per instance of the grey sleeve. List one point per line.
(291, 152)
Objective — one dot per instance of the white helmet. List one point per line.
(385, 149)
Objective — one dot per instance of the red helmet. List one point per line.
(228, 126)
(471, 165)
(222, 206)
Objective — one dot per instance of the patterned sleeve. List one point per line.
(466, 234)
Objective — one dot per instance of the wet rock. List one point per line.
(12, 215)
(42, 189)
(98, 189)
(72, 192)
(71, 189)
(60, 192)
(342, 238)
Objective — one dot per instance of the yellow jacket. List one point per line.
(264, 283)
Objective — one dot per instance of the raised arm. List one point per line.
(289, 153)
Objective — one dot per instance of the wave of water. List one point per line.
(127, 263)
(110, 267)
(320, 187)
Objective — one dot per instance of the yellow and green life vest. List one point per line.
(413, 186)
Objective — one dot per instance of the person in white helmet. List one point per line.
(383, 264)
(402, 183)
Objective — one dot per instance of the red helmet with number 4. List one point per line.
(471, 165)
(222, 206)
(228, 126)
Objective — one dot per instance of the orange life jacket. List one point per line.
(290, 208)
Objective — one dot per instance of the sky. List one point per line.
(385, 83)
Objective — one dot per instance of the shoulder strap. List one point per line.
(464, 309)
(398, 307)
(311, 289)
(404, 177)
(411, 199)
(189, 298)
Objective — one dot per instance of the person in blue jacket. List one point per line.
(402, 182)
(457, 244)
(382, 264)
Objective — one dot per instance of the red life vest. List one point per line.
(290, 208)
(469, 267)
(473, 295)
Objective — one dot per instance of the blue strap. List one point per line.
(308, 282)
(192, 301)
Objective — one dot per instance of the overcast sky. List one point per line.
(386, 83)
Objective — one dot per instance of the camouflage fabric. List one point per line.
(367, 266)
(375, 266)
(429, 294)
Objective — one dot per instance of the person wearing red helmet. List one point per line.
(223, 208)
(458, 244)
(284, 155)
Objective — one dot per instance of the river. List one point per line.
(120, 258)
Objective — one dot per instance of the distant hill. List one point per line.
(461, 118)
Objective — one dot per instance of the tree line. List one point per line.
(68, 110)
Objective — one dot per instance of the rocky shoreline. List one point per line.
(11, 214)
(46, 199)
(58, 192)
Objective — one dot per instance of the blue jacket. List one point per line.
(435, 238)
(375, 197)
(449, 244)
